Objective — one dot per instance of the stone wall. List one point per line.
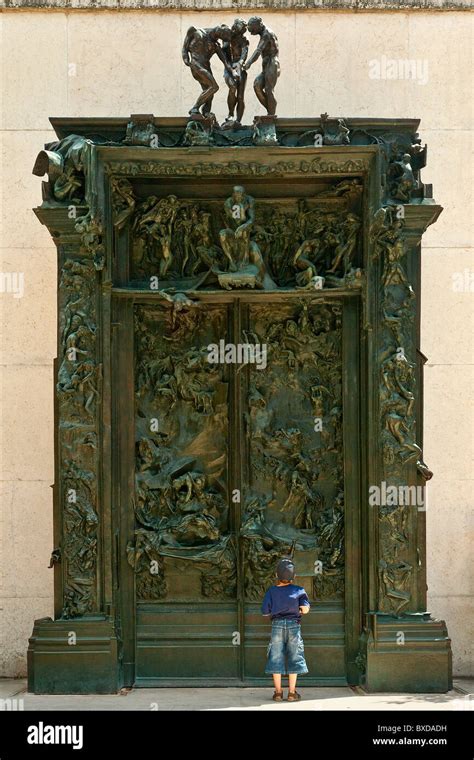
(239, 5)
(94, 63)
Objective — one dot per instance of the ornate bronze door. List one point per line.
(238, 369)
(237, 462)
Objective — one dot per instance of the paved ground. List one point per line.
(340, 698)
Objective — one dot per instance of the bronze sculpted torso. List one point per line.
(235, 51)
(264, 84)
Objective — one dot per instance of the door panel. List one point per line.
(184, 549)
(235, 466)
(294, 474)
(186, 641)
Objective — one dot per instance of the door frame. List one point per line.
(363, 162)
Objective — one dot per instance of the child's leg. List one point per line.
(296, 660)
(275, 656)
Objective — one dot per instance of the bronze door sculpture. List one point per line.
(238, 429)
(238, 368)
(237, 464)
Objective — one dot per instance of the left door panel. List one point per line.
(183, 551)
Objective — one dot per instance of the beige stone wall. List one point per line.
(58, 63)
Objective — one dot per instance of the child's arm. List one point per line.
(304, 603)
(267, 604)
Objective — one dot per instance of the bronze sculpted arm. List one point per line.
(250, 217)
(224, 60)
(228, 210)
(186, 44)
(245, 52)
(250, 212)
(258, 51)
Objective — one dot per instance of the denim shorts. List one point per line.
(285, 652)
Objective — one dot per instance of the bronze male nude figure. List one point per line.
(236, 51)
(198, 48)
(264, 84)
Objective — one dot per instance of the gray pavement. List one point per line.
(313, 698)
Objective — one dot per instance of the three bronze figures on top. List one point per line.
(232, 47)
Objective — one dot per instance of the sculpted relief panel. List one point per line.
(293, 424)
(181, 477)
(398, 435)
(78, 391)
(242, 242)
(291, 496)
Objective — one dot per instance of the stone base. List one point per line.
(90, 666)
(264, 130)
(420, 663)
(199, 129)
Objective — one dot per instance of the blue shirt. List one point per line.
(284, 602)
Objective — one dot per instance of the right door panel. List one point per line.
(293, 474)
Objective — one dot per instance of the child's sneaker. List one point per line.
(293, 696)
(277, 696)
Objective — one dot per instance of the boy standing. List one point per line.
(285, 602)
